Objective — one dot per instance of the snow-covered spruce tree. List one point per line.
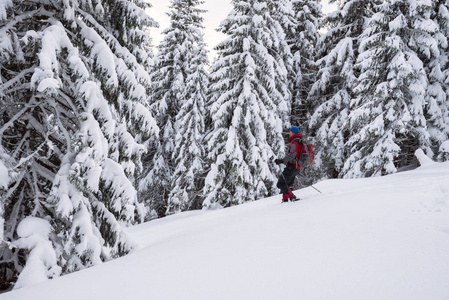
(331, 93)
(303, 44)
(284, 25)
(387, 117)
(437, 69)
(74, 112)
(178, 91)
(246, 108)
(189, 150)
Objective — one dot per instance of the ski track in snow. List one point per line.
(373, 238)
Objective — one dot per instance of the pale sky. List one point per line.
(217, 10)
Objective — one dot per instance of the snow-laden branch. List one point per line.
(24, 160)
(14, 80)
(8, 244)
(16, 117)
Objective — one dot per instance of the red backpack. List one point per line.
(305, 158)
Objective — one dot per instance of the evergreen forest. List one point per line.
(101, 129)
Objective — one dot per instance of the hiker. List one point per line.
(292, 168)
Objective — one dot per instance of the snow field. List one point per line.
(376, 238)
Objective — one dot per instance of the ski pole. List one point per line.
(316, 189)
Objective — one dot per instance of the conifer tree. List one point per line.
(331, 94)
(177, 72)
(284, 25)
(437, 69)
(246, 107)
(387, 117)
(74, 88)
(189, 150)
(303, 41)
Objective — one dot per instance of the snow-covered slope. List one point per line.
(377, 238)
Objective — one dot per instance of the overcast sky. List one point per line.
(217, 10)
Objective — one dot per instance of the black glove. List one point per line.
(279, 161)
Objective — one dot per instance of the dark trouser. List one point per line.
(287, 178)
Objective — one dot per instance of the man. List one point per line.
(292, 168)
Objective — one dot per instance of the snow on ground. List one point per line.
(375, 238)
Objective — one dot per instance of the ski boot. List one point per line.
(293, 198)
(286, 196)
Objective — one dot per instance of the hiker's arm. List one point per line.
(291, 156)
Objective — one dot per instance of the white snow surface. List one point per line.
(374, 238)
